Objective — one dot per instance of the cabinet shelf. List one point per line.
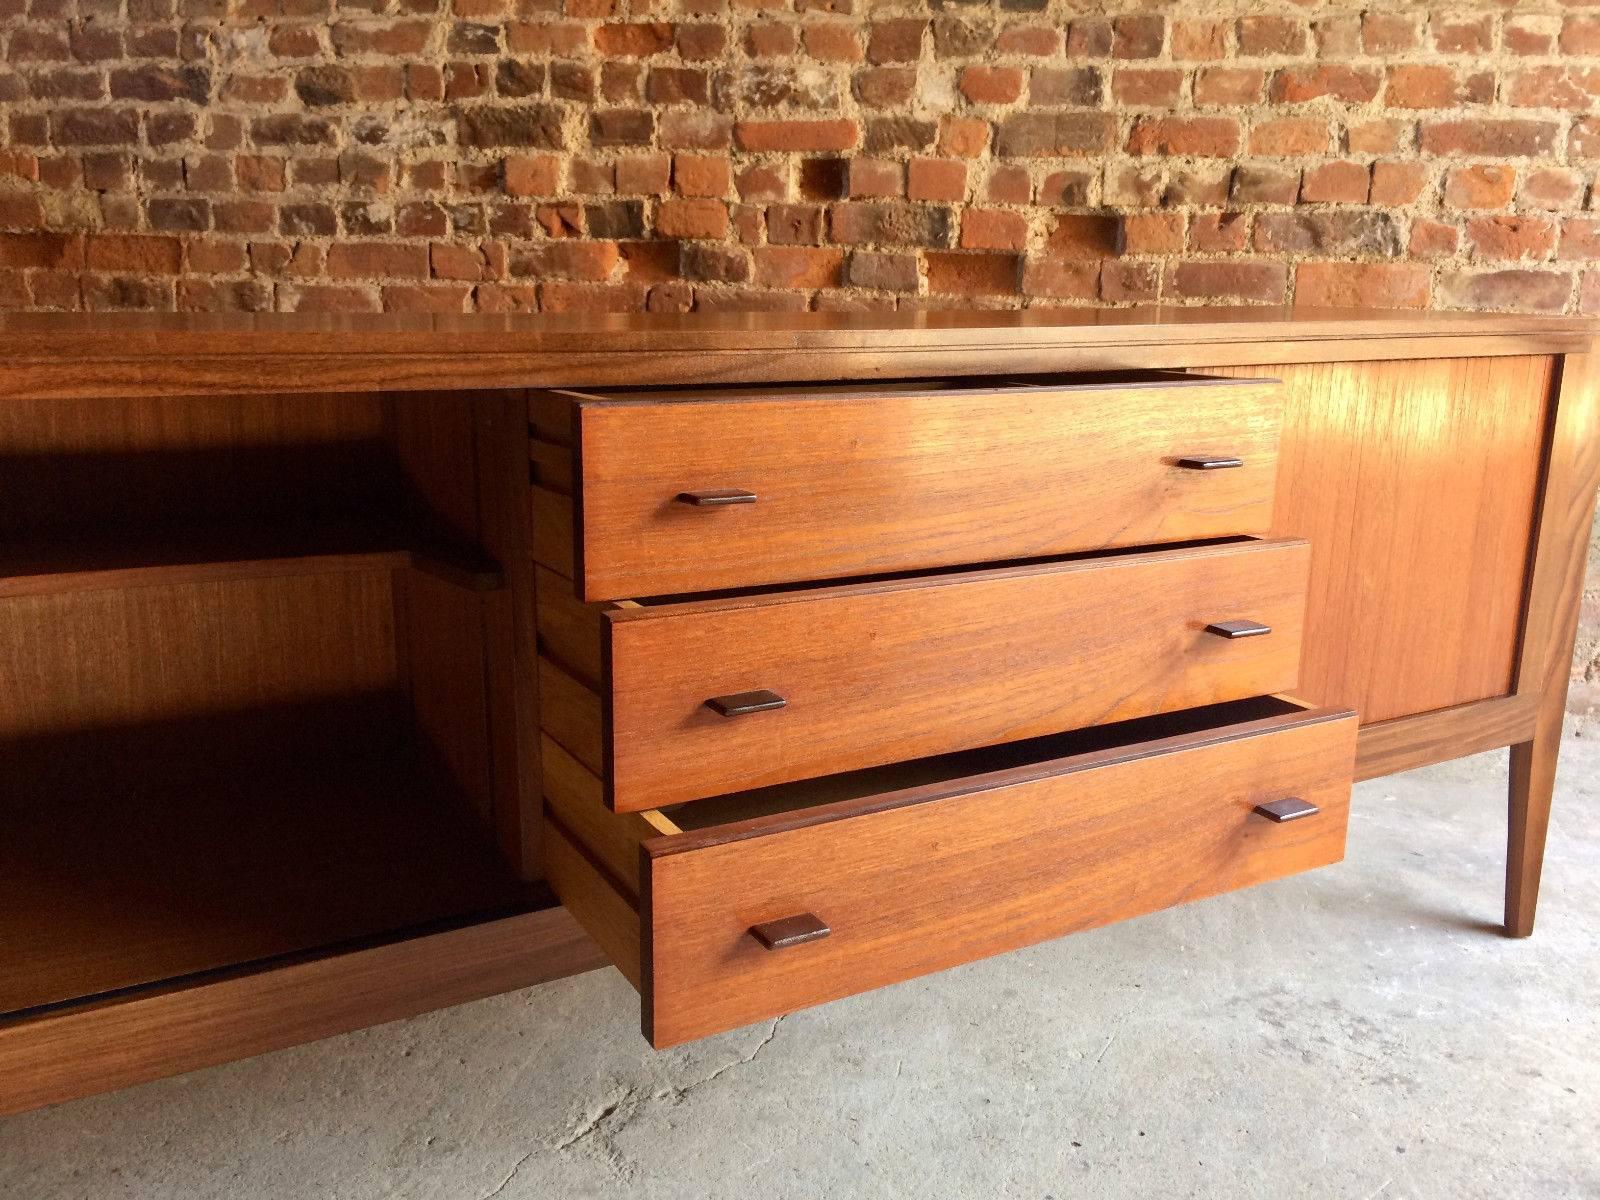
(192, 554)
(136, 857)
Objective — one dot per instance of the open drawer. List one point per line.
(676, 700)
(666, 491)
(759, 903)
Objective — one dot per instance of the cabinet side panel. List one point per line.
(1416, 483)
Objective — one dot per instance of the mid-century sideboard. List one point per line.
(355, 667)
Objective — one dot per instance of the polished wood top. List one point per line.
(141, 353)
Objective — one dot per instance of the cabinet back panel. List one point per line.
(82, 660)
(1416, 484)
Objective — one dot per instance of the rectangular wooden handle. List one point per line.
(790, 931)
(1290, 808)
(741, 703)
(717, 497)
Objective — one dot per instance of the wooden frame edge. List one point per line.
(66, 1055)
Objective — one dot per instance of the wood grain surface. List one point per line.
(852, 483)
(877, 672)
(957, 872)
(63, 1055)
(1416, 484)
(1572, 475)
(72, 354)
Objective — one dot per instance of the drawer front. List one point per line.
(878, 673)
(872, 483)
(925, 882)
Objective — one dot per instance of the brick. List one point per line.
(692, 219)
(1555, 87)
(970, 273)
(49, 251)
(1551, 188)
(1148, 87)
(883, 272)
(1584, 139)
(991, 85)
(1038, 134)
(1060, 279)
(1361, 285)
(1204, 137)
(1454, 34)
(1398, 183)
(1137, 36)
(644, 175)
(1029, 41)
(715, 264)
(1152, 233)
(532, 175)
(891, 223)
(137, 254)
(963, 137)
(618, 127)
(1084, 236)
(1427, 86)
(701, 175)
(1336, 183)
(1363, 232)
(796, 224)
(1580, 238)
(1089, 37)
(884, 87)
(1518, 290)
(824, 178)
(1229, 86)
(94, 127)
(1130, 282)
(533, 125)
(1008, 184)
(833, 43)
(377, 260)
(869, 177)
(1271, 36)
(1256, 282)
(799, 136)
(1056, 87)
(1499, 138)
(634, 40)
(1482, 186)
(1390, 32)
(474, 264)
(1580, 35)
(993, 229)
(798, 266)
(1288, 136)
(1199, 41)
(1511, 237)
(896, 41)
(1299, 85)
(1255, 184)
(1381, 136)
(1219, 233)
(936, 179)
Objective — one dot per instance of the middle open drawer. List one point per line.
(671, 701)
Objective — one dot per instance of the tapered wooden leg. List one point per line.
(1533, 782)
(1550, 625)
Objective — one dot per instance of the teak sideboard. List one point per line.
(353, 667)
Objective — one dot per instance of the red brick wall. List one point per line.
(676, 154)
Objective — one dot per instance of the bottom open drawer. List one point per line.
(740, 908)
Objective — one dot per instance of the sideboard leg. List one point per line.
(1533, 782)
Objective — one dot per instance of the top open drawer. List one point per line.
(663, 492)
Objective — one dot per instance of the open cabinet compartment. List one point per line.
(247, 710)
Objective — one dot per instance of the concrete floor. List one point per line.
(1360, 1032)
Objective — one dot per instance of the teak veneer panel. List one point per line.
(1416, 485)
(879, 672)
(931, 878)
(855, 482)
